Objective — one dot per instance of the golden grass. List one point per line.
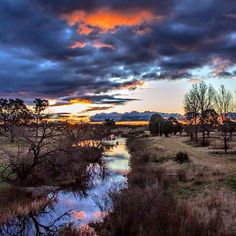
(201, 191)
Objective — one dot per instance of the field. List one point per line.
(194, 196)
(175, 186)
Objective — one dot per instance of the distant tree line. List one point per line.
(159, 126)
(206, 110)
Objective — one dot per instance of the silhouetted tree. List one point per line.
(200, 98)
(167, 127)
(39, 106)
(192, 118)
(177, 126)
(13, 113)
(156, 124)
(109, 124)
(209, 119)
(226, 129)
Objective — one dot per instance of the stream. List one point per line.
(69, 206)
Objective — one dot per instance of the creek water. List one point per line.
(70, 207)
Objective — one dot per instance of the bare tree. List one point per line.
(223, 101)
(200, 98)
(191, 107)
(33, 145)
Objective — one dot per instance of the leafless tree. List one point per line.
(223, 101)
(199, 99)
(32, 145)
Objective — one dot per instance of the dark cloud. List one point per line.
(41, 54)
(62, 6)
(97, 109)
(95, 99)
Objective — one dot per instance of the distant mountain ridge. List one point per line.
(132, 116)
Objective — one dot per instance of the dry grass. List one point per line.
(165, 197)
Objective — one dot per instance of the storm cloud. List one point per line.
(86, 49)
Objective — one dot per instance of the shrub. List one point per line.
(181, 157)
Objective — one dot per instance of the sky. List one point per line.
(95, 56)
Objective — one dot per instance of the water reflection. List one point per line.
(72, 205)
(34, 222)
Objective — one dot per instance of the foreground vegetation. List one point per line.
(174, 193)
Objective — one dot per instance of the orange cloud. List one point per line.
(108, 19)
(98, 44)
(132, 85)
(195, 81)
(80, 100)
(84, 30)
(78, 44)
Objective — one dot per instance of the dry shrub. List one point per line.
(153, 212)
(72, 230)
(75, 166)
(142, 177)
(140, 212)
(182, 157)
(216, 211)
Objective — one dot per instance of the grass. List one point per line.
(190, 189)
(231, 181)
(165, 197)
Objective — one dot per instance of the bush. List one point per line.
(181, 157)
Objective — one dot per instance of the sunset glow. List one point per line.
(89, 57)
(108, 19)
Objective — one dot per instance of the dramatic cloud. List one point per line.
(97, 109)
(76, 51)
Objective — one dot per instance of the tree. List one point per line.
(109, 124)
(167, 127)
(192, 118)
(39, 106)
(33, 145)
(226, 129)
(46, 151)
(177, 126)
(209, 120)
(191, 107)
(13, 113)
(200, 98)
(155, 124)
(205, 95)
(223, 102)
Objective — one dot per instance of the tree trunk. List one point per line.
(203, 136)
